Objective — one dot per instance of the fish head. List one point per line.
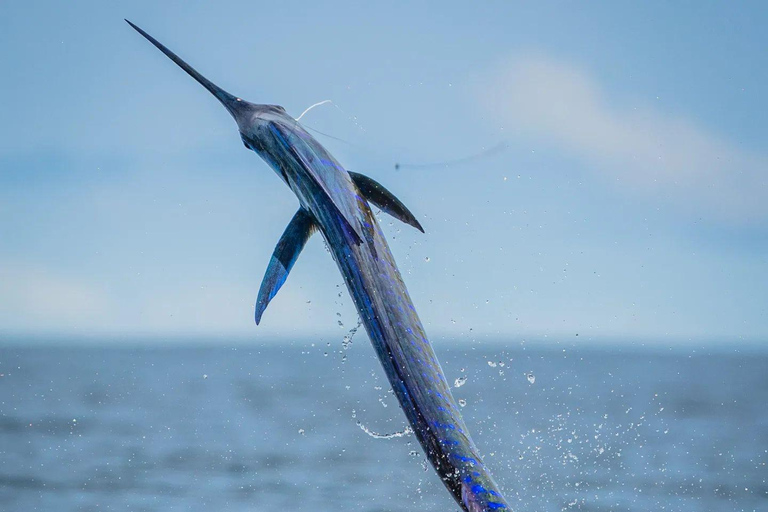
(251, 118)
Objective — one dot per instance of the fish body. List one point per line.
(336, 203)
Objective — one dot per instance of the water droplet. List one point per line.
(459, 382)
(462, 402)
(301, 431)
(491, 364)
(531, 378)
(426, 259)
(205, 375)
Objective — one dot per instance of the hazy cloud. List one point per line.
(31, 296)
(40, 300)
(638, 146)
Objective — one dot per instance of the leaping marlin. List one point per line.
(336, 203)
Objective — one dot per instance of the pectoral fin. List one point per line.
(287, 250)
(377, 195)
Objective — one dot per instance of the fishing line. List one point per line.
(493, 150)
(498, 148)
(313, 106)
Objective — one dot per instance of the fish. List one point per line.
(339, 205)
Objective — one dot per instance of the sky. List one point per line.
(590, 169)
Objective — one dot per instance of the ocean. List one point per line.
(283, 427)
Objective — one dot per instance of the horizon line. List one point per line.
(511, 341)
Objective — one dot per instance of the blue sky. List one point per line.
(630, 201)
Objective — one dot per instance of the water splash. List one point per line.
(402, 433)
(346, 342)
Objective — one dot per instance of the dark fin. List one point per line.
(375, 193)
(289, 246)
(348, 223)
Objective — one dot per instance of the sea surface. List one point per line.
(278, 427)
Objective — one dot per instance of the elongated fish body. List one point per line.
(386, 309)
(336, 203)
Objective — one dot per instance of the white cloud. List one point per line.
(40, 300)
(641, 147)
(32, 297)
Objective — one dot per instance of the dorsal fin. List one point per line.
(379, 196)
(288, 248)
(314, 169)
